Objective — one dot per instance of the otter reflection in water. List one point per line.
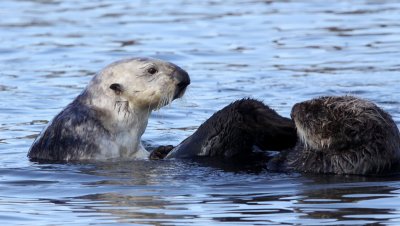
(340, 135)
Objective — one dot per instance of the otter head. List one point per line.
(342, 123)
(144, 82)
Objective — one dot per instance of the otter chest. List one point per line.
(123, 145)
(127, 144)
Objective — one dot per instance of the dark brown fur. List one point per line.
(344, 135)
(234, 130)
(338, 135)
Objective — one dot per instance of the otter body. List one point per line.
(336, 135)
(107, 120)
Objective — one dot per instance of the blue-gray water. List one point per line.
(281, 52)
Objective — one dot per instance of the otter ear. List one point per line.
(117, 88)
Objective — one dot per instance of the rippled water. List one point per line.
(281, 52)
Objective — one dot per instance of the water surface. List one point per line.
(281, 52)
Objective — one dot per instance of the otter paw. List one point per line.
(160, 152)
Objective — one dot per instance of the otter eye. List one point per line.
(152, 70)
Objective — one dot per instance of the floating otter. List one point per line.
(344, 135)
(340, 135)
(108, 118)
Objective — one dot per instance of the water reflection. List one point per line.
(349, 202)
(232, 197)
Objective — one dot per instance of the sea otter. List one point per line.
(107, 120)
(338, 135)
(344, 135)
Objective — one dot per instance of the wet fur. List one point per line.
(106, 121)
(70, 135)
(344, 135)
(337, 135)
(232, 132)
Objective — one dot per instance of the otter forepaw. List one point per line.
(161, 152)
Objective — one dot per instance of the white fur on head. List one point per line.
(141, 89)
(144, 84)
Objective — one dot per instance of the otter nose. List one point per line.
(183, 78)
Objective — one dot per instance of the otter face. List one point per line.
(338, 123)
(145, 82)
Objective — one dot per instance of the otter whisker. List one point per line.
(171, 98)
(150, 103)
(160, 103)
